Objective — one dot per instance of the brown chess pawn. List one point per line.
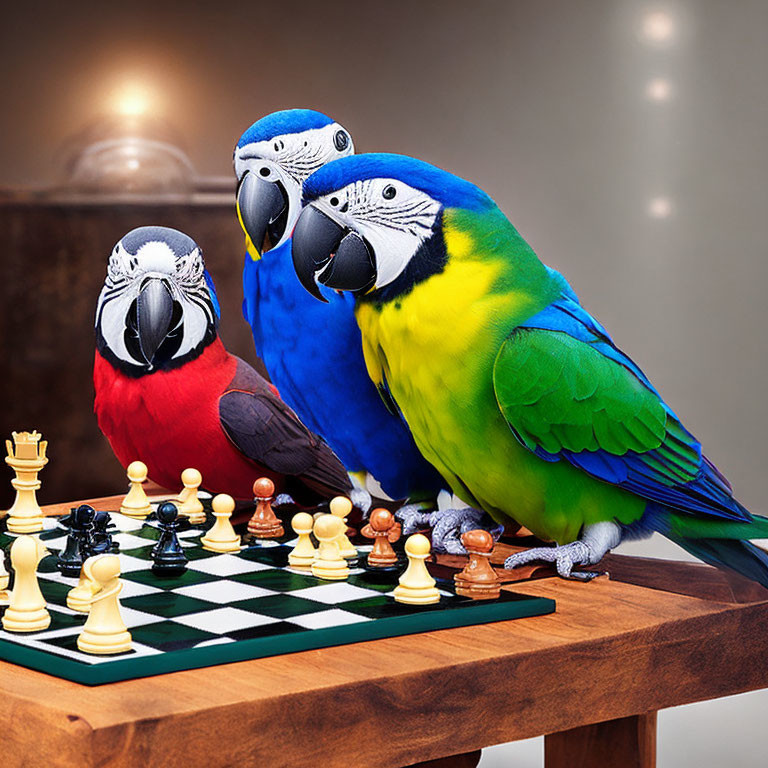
(478, 580)
(264, 524)
(382, 555)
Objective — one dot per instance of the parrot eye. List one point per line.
(388, 192)
(265, 171)
(341, 140)
(334, 201)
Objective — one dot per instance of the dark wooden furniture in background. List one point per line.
(54, 257)
(590, 676)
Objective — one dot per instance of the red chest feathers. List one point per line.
(170, 421)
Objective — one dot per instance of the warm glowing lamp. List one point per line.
(132, 100)
(130, 150)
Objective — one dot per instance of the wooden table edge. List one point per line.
(737, 632)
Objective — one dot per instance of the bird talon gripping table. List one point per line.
(230, 607)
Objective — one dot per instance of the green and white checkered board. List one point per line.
(230, 607)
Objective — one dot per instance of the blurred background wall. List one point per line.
(624, 138)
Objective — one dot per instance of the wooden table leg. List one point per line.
(629, 742)
(467, 760)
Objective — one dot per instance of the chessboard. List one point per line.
(231, 607)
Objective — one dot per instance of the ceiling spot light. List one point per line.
(659, 89)
(659, 207)
(658, 28)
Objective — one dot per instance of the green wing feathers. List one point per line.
(560, 394)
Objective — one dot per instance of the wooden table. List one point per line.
(590, 677)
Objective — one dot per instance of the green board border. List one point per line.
(519, 606)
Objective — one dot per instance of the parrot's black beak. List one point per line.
(154, 317)
(325, 251)
(262, 207)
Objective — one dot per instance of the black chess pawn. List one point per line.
(101, 538)
(78, 546)
(168, 519)
(167, 555)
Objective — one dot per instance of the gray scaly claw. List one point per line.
(362, 500)
(564, 557)
(282, 498)
(596, 540)
(448, 525)
(412, 517)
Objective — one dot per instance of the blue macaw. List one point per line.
(313, 351)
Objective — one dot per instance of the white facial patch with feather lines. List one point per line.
(298, 154)
(393, 217)
(184, 276)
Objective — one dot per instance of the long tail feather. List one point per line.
(718, 542)
(740, 556)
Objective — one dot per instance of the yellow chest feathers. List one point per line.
(442, 333)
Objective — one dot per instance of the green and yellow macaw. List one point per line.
(510, 387)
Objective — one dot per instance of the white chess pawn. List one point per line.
(79, 597)
(136, 503)
(104, 630)
(329, 564)
(26, 611)
(303, 554)
(184, 493)
(222, 537)
(416, 586)
(191, 506)
(4, 579)
(341, 506)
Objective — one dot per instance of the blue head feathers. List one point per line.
(212, 292)
(450, 190)
(281, 123)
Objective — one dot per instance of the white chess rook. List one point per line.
(26, 456)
